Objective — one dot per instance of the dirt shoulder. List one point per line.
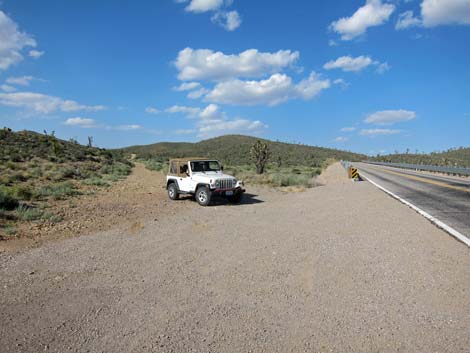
(338, 268)
(123, 205)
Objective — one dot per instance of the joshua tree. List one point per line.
(90, 141)
(260, 154)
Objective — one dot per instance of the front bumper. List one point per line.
(227, 192)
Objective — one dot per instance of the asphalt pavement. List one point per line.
(443, 197)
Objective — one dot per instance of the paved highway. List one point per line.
(445, 198)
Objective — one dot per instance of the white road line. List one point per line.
(433, 219)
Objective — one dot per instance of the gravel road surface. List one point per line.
(338, 268)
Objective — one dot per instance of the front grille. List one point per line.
(224, 184)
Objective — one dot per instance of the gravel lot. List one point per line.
(338, 268)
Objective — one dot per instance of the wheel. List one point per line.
(203, 195)
(235, 198)
(173, 191)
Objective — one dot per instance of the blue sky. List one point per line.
(369, 76)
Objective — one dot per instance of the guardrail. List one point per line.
(427, 168)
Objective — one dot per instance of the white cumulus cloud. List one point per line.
(341, 139)
(187, 86)
(406, 20)
(445, 12)
(436, 13)
(152, 110)
(7, 88)
(205, 64)
(377, 132)
(199, 6)
(272, 91)
(197, 93)
(211, 112)
(35, 53)
(212, 121)
(12, 42)
(81, 122)
(88, 123)
(351, 64)
(130, 127)
(348, 63)
(182, 109)
(228, 20)
(373, 13)
(239, 126)
(22, 81)
(389, 117)
(41, 103)
(348, 129)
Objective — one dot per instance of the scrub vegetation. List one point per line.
(455, 157)
(256, 161)
(36, 169)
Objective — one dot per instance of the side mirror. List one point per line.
(222, 168)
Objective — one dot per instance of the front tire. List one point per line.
(173, 192)
(236, 198)
(203, 195)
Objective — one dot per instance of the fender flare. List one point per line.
(202, 184)
(172, 181)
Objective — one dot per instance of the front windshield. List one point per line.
(205, 166)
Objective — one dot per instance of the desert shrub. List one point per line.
(19, 177)
(35, 172)
(22, 192)
(58, 191)
(296, 171)
(26, 213)
(7, 200)
(51, 217)
(292, 180)
(95, 181)
(68, 172)
(12, 166)
(121, 169)
(155, 165)
(8, 230)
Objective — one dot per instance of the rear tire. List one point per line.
(173, 192)
(203, 195)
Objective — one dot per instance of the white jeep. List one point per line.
(203, 178)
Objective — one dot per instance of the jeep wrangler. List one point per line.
(203, 178)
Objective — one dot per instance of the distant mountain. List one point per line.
(235, 150)
(453, 157)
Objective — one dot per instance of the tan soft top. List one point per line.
(192, 159)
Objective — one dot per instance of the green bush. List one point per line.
(19, 177)
(59, 191)
(155, 165)
(95, 181)
(22, 192)
(118, 169)
(9, 230)
(51, 217)
(27, 213)
(7, 200)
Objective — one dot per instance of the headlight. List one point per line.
(217, 182)
(234, 182)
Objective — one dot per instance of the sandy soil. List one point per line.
(124, 205)
(338, 268)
